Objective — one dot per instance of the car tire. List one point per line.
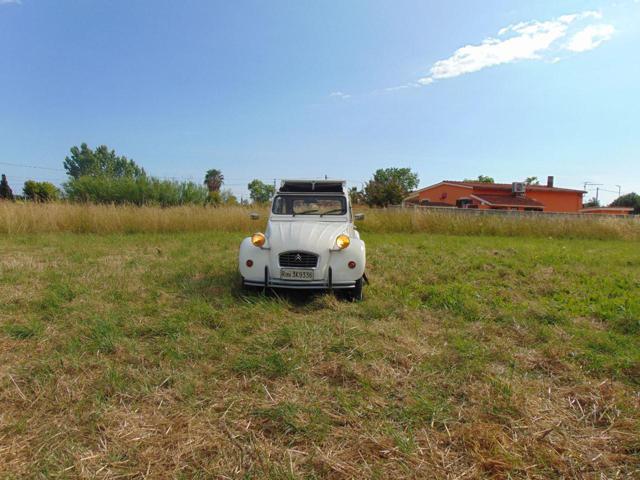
(355, 294)
(246, 288)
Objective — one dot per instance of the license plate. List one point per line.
(297, 274)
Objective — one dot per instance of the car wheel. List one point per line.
(246, 288)
(355, 294)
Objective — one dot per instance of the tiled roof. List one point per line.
(507, 201)
(507, 186)
(607, 209)
(436, 204)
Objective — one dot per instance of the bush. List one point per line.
(40, 191)
(629, 200)
(135, 191)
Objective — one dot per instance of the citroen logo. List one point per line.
(298, 257)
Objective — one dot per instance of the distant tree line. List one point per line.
(102, 176)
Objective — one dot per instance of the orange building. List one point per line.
(499, 196)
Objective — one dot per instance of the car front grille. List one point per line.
(298, 260)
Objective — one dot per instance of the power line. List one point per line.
(610, 191)
(31, 166)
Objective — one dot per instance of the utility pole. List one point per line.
(619, 190)
(591, 184)
(597, 193)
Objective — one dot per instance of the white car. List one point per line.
(310, 241)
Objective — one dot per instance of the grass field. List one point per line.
(137, 356)
(22, 218)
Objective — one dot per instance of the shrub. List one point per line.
(629, 200)
(40, 191)
(135, 191)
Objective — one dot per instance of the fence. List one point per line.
(511, 213)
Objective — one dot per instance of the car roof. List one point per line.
(312, 186)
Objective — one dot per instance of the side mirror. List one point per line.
(254, 216)
(359, 216)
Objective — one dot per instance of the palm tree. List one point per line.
(214, 180)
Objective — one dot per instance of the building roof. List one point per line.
(496, 186)
(507, 201)
(507, 186)
(606, 209)
(436, 204)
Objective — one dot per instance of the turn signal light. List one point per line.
(352, 264)
(249, 263)
(258, 239)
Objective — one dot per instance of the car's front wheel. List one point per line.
(355, 294)
(248, 288)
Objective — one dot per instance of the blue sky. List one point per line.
(281, 89)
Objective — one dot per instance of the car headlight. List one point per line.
(343, 241)
(258, 239)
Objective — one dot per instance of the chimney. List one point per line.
(550, 181)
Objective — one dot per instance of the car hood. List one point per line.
(303, 235)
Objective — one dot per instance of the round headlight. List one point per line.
(258, 239)
(343, 241)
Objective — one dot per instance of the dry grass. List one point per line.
(137, 356)
(17, 218)
(463, 223)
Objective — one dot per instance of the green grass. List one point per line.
(499, 357)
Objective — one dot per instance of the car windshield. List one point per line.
(309, 205)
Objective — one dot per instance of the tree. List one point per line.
(222, 197)
(100, 163)
(228, 198)
(591, 203)
(214, 179)
(532, 181)
(481, 179)
(389, 186)
(261, 192)
(5, 189)
(40, 191)
(629, 200)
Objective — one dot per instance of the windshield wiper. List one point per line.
(306, 212)
(329, 212)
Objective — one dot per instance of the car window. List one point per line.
(309, 205)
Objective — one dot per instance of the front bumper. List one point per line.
(329, 284)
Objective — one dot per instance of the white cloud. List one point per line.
(8, 2)
(402, 87)
(590, 37)
(342, 95)
(533, 40)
